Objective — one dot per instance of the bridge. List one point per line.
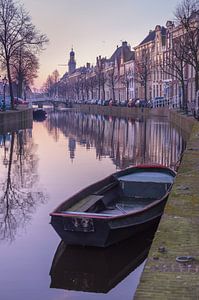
(55, 102)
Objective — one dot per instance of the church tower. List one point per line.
(72, 62)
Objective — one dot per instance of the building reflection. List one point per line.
(18, 197)
(126, 141)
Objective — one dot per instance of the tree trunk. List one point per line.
(10, 84)
(184, 96)
(19, 89)
(103, 90)
(145, 90)
(127, 91)
(196, 82)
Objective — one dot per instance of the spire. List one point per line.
(71, 62)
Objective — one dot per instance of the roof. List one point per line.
(127, 53)
(151, 36)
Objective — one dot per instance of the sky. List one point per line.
(92, 28)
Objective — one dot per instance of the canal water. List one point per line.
(41, 167)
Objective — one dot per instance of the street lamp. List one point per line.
(4, 92)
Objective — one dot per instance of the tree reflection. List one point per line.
(126, 141)
(18, 200)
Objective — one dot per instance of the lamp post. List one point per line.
(4, 92)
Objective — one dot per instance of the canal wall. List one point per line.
(164, 277)
(116, 111)
(177, 118)
(15, 120)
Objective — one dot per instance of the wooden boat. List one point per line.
(114, 208)
(98, 270)
(39, 115)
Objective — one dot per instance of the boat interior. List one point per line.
(125, 194)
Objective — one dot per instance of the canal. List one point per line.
(41, 167)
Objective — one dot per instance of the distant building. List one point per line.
(71, 62)
(109, 79)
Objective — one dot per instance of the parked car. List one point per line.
(131, 103)
(113, 103)
(106, 102)
(158, 102)
(123, 103)
(18, 101)
(93, 101)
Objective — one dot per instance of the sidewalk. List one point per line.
(177, 235)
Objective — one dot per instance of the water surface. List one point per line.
(40, 168)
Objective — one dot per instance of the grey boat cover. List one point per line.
(152, 185)
(156, 177)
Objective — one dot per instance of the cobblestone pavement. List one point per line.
(177, 235)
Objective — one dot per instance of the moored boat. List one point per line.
(114, 208)
(39, 115)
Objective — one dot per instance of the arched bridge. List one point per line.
(55, 102)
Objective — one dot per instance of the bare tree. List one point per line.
(187, 18)
(143, 68)
(16, 31)
(51, 84)
(91, 84)
(76, 87)
(100, 76)
(48, 86)
(174, 64)
(112, 79)
(24, 66)
(126, 80)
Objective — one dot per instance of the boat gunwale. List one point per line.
(108, 217)
(113, 217)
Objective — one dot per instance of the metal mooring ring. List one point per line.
(184, 259)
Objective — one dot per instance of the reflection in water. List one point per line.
(30, 163)
(126, 141)
(18, 200)
(92, 269)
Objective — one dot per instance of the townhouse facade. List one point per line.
(166, 73)
(149, 71)
(110, 79)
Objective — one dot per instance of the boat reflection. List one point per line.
(98, 270)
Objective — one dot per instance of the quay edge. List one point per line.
(15, 120)
(163, 277)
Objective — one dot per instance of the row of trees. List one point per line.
(20, 43)
(88, 84)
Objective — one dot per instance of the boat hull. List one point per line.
(106, 232)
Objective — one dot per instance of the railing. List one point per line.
(173, 102)
(48, 99)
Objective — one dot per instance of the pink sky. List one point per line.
(92, 27)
